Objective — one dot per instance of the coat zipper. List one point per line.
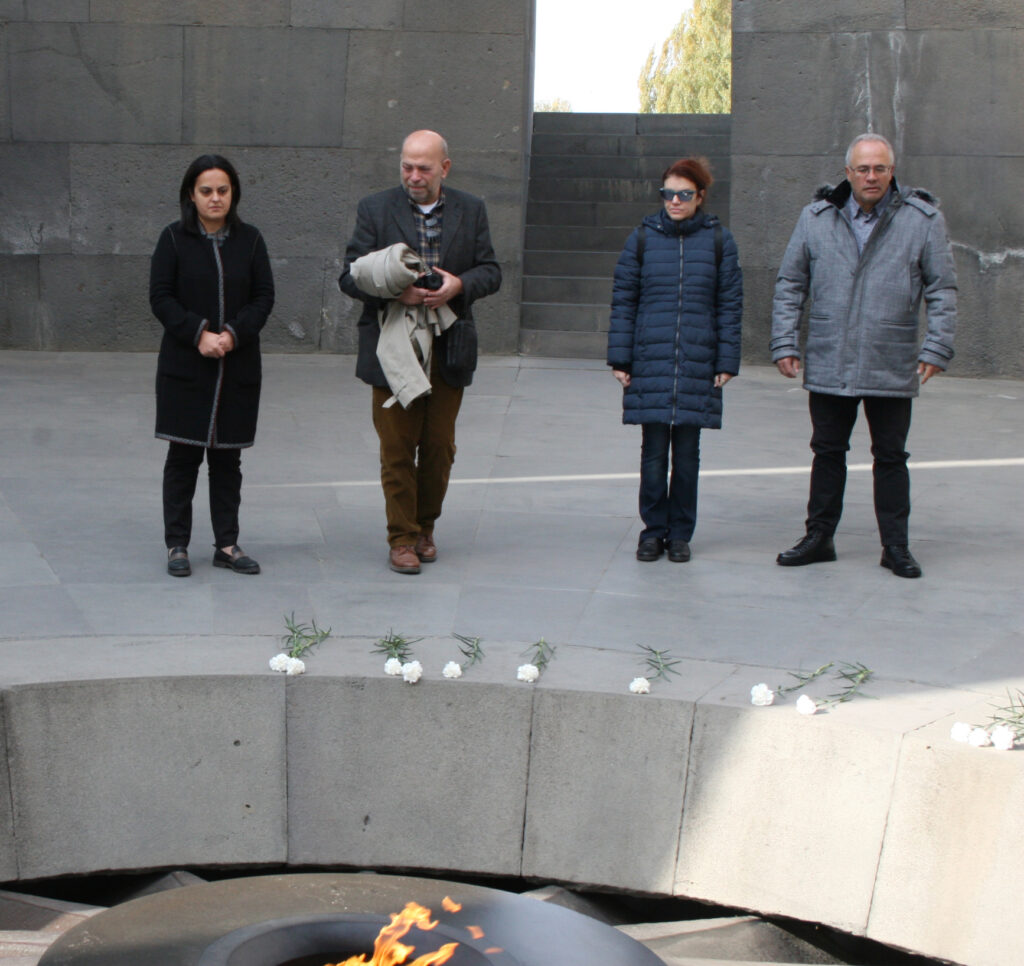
(679, 322)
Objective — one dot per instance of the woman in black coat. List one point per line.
(673, 343)
(211, 287)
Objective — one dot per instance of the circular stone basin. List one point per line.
(313, 920)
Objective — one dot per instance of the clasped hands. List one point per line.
(216, 345)
(433, 299)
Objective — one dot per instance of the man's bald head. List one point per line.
(425, 164)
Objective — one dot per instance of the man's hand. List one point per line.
(624, 378)
(451, 287)
(412, 295)
(210, 345)
(789, 366)
(926, 370)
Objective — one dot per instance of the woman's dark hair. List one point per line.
(696, 170)
(207, 162)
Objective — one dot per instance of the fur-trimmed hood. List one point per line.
(838, 195)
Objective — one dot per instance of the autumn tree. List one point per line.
(693, 73)
(557, 105)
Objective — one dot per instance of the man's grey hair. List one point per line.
(870, 137)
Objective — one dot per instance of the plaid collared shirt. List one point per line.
(428, 230)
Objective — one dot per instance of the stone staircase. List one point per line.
(592, 178)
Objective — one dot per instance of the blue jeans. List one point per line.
(668, 507)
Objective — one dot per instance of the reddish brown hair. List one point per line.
(696, 170)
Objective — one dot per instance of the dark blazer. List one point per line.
(385, 219)
(209, 402)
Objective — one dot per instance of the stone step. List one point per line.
(605, 190)
(567, 289)
(603, 214)
(569, 318)
(630, 124)
(583, 166)
(676, 144)
(582, 264)
(570, 238)
(563, 345)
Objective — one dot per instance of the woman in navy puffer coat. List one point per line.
(673, 343)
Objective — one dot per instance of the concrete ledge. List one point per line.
(688, 791)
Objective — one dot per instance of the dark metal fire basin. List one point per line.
(312, 920)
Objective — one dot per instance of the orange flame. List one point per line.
(388, 951)
(450, 905)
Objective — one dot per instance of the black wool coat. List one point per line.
(209, 402)
(385, 219)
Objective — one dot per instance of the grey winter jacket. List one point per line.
(862, 332)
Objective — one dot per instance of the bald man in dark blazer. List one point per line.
(449, 230)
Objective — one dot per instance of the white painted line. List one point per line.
(603, 477)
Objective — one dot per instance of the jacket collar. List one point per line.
(835, 196)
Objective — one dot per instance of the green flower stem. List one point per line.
(302, 637)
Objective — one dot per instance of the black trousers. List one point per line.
(668, 500)
(181, 471)
(832, 419)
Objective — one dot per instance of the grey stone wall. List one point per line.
(104, 103)
(941, 79)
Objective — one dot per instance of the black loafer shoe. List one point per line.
(678, 551)
(898, 558)
(177, 562)
(236, 561)
(816, 547)
(650, 549)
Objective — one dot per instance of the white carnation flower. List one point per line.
(452, 670)
(806, 704)
(961, 731)
(979, 738)
(761, 695)
(1003, 737)
(295, 666)
(279, 662)
(640, 686)
(528, 673)
(393, 666)
(412, 672)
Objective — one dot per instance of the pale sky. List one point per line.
(591, 54)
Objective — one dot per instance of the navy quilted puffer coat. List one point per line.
(676, 320)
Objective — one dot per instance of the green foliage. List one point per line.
(302, 637)
(693, 73)
(396, 646)
(558, 105)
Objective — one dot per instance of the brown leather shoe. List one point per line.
(403, 560)
(426, 549)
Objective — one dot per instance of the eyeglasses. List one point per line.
(863, 170)
(683, 194)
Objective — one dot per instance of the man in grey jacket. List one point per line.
(865, 253)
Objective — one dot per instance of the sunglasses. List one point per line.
(683, 194)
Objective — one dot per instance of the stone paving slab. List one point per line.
(537, 540)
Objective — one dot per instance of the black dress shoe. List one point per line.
(678, 551)
(236, 561)
(816, 547)
(898, 558)
(650, 549)
(177, 562)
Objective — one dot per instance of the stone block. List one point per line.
(338, 313)
(8, 850)
(828, 101)
(693, 125)
(300, 285)
(383, 773)
(226, 101)
(20, 311)
(386, 95)
(471, 16)
(143, 773)
(768, 832)
(584, 123)
(954, 833)
(961, 14)
(35, 195)
(607, 767)
(980, 113)
(11, 10)
(238, 13)
(800, 16)
(97, 302)
(95, 82)
(5, 107)
(58, 11)
(348, 14)
(497, 318)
